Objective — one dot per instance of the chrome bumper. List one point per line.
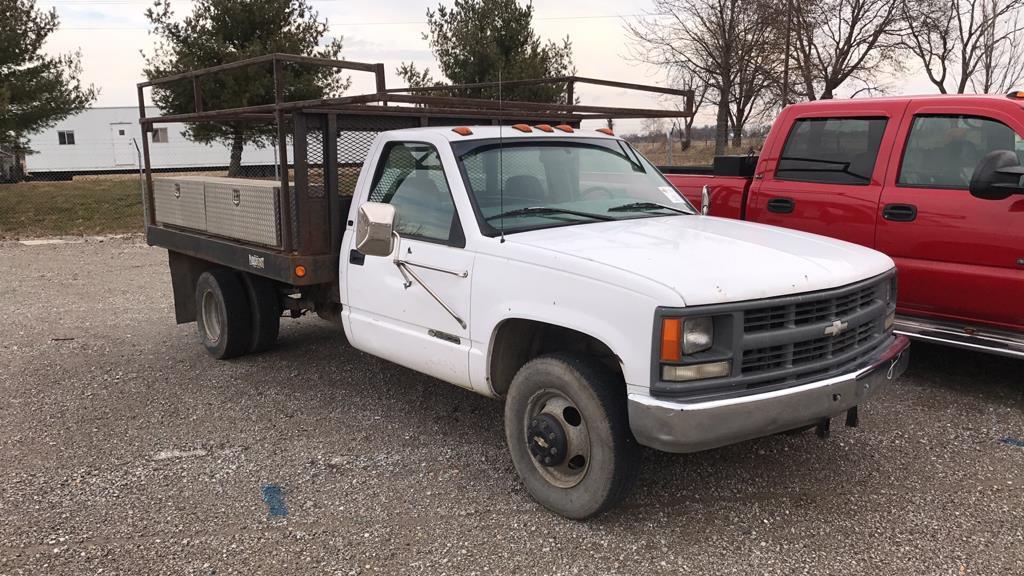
(674, 426)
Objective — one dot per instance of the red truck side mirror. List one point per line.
(998, 176)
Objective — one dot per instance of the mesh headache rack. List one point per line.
(307, 154)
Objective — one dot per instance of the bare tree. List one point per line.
(1002, 57)
(709, 37)
(965, 44)
(838, 40)
(685, 79)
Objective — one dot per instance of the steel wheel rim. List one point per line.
(211, 317)
(569, 472)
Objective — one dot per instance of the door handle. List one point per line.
(899, 212)
(356, 257)
(781, 205)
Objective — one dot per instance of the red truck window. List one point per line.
(831, 150)
(942, 150)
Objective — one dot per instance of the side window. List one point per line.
(831, 150)
(410, 177)
(66, 137)
(942, 151)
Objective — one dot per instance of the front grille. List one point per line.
(789, 341)
(777, 343)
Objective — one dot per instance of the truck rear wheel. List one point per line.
(265, 309)
(568, 433)
(223, 315)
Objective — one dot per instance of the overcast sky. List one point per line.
(111, 33)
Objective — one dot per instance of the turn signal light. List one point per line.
(671, 333)
(300, 271)
(523, 127)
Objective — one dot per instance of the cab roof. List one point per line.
(489, 132)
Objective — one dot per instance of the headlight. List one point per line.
(698, 334)
(682, 336)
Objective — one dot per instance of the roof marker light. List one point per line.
(1016, 95)
(523, 127)
(564, 128)
(462, 131)
(544, 127)
(607, 131)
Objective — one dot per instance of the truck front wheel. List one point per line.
(568, 433)
(223, 316)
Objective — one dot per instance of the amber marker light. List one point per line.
(544, 127)
(523, 127)
(462, 131)
(300, 271)
(607, 131)
(564, 128)
(671, 332)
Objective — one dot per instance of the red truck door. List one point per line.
(824, 176)
(960, 258)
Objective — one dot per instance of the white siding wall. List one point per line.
(100, 146)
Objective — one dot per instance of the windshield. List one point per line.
(531, 184)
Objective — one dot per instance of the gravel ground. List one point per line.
(127, 450)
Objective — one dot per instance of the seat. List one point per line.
(525, 186)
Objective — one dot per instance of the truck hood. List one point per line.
(709, 260)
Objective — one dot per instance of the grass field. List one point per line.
(84, 206)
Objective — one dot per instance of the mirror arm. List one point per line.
(407, 271)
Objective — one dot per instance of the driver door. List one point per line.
(392, 314)
(960, 258)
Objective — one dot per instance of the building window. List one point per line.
(66, 137)
(160, 135)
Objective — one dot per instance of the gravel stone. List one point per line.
(127, 450)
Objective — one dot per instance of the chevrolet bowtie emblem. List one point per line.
(836, 328)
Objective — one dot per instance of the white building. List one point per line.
(103, 140)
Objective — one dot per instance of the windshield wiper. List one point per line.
(546, 210)
(645, 206)
(844, 167)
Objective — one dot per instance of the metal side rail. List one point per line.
(971, 337)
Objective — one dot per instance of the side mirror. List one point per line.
(375, 229)
(997, 176)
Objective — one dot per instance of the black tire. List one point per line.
(600, 401)
(222, 313)
(265, 312)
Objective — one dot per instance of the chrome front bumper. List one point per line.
(679, 426)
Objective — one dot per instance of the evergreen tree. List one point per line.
(221, 31)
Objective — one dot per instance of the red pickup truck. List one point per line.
(935, 182)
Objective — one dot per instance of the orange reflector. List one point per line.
(671, 333)
(462, 131)
(564, 128)
(523, 127)
(300, 271)
(607, 131)
(544, 127)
